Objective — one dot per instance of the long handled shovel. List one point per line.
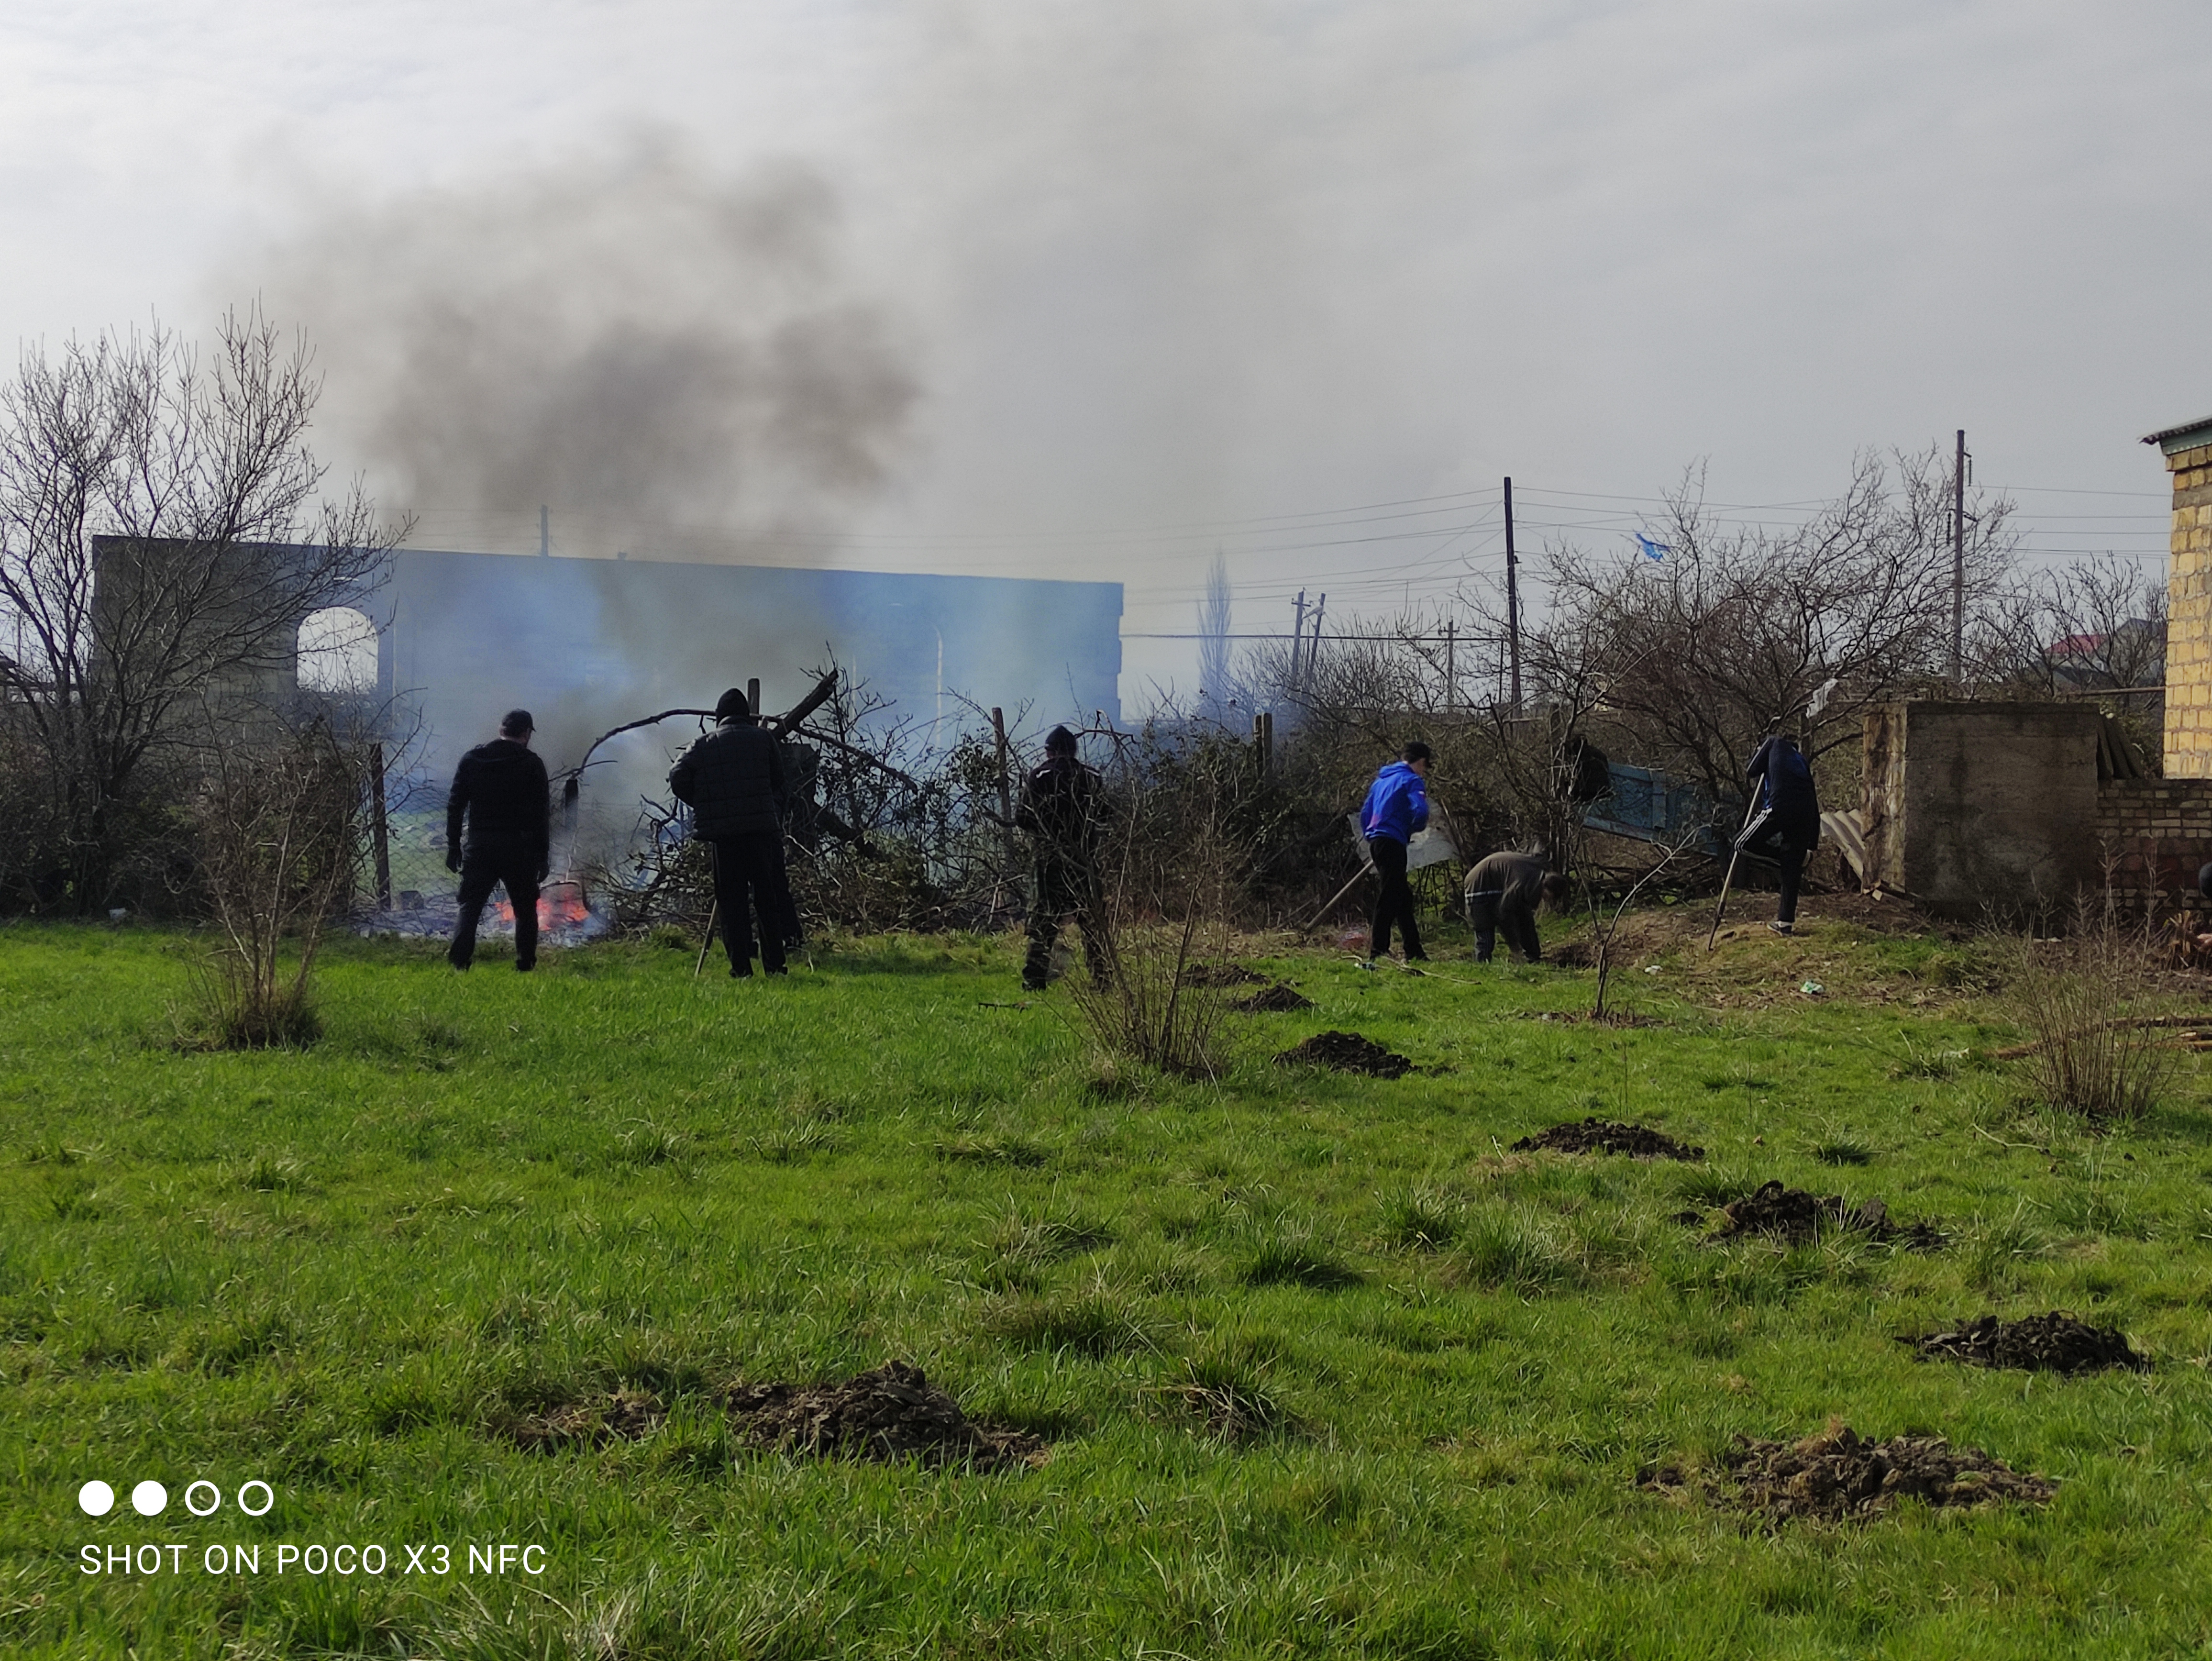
(1735, 854)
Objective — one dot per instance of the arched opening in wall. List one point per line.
(337, 652)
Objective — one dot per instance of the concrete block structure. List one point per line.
(2188, 452)
(2152, 835)
(1968, 807)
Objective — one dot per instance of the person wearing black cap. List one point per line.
(1062, 806)
(732, 780)
(500, 790)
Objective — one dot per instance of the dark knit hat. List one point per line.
(1060, 742)
(731, 706)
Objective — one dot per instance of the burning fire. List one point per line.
(561, 910)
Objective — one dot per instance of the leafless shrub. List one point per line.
(275, 820)
(1164, 904)
(2084, 997)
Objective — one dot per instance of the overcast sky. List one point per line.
(1160, 276)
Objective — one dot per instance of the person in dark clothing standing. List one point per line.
(1503, 892)
(1397, 806)
(500, 790)
(1786, 826)
(1062, 807)
(732, 780)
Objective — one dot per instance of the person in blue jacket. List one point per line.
(1397, 806)
(1787, 825)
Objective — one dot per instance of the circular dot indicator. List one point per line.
(212, 1493)
(148, 1498)
(95, 1498)
(268, 1498)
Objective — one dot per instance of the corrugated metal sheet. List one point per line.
(1846, 833)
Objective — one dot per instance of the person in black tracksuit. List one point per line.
(732, 780)
(1062, 807)
(500, 790)
(1786, 826)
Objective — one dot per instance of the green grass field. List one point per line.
(350, 1272)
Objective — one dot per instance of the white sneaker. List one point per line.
(1782, 927)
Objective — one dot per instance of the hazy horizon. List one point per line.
(1094, 291)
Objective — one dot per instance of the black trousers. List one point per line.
(1787, 844)
(750, 882)
(1064, 887)
(483, 867)
(1491, 918)
(1394, 903)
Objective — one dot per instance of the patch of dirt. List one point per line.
(891, 1413)
(1798, 1216)
(627, 1415)
(1596, 1136)
(1277, 999)
(2038, 1343)
(1347, 1052)
(1221, 974)
(1838, 1474)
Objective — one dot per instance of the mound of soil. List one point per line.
(1221, 974)
(2039, 1343)
(1277, 999)
(1839, 1474)
(1798, 1216)
(1596, 1136)
(891, 1413)
(1347, 1052)
(627, 1415)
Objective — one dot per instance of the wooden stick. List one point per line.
(1735, 854)
(1330, 904)
(707, 945)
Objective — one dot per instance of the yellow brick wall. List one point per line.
(2189, 629)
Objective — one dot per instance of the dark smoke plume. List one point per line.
(638, 340)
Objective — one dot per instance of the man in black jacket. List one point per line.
(500, 788)
(1787, 825)
(1062, 807)
(732, 780)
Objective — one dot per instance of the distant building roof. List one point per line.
(2187, 437)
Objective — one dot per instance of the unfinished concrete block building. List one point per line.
(1968, 806)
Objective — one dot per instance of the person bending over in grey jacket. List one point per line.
(732, 781)
(1503, 892)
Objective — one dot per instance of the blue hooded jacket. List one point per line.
(1397, 804)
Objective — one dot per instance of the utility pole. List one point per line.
(544, 533)
(1298, 640)
(1512, 602)
(1451, 664)
(1313, 656)
(1959, 562)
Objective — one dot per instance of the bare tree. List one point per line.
(163, 534)
(2095, 627)
(1695, 654)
